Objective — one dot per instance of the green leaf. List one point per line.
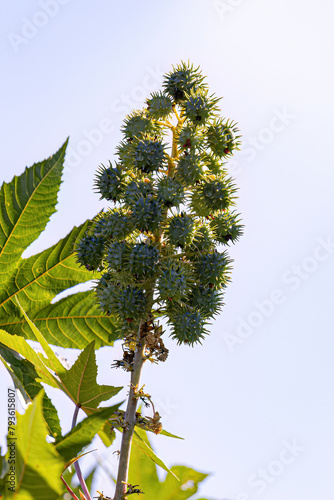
(83, 433)
(107, 434)
(38, 465)
(23, 348)
(185, 488)
(71, 322)
(54, 362)
(80, 381)
(143, 471)
(24, 375)
(144, 445)
(27, 203)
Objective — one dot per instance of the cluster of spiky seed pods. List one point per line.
(158, 246)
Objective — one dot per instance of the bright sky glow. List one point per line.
(255, 402)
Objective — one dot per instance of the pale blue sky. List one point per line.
(262, 381)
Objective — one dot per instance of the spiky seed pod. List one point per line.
(222, 137)
(146, 214)
(226, 227)
(126, 303)
(147, 155)
(191, 140)
(159, 106)
(212, 269)
(137, 189)
(189, 169)
(170, 192)
(117, 255)
(114, 224)
(138, 125)
(206, 300)
(199, 107)
(109, 182)
(203, 241)
(172, 282)
(125, 153)
(90, 252)
(188, 327)
(179, 82)
(213, 195)
(179, 230)
(213, 164)
(143, 260)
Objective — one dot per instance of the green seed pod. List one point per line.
(90, 252)
(212, 270)
(146, 214)
(143, 260)
(206, 300)
(212, 195)
(170, 192)
(188, 327)
(138, 189)
(190, 139)
(214, 164)
(179, 230)
(202, 241)
(159, 106)
(198, 107)
(138, 125)
(179, 82)
(109, 182)
(189, 169)
(125, 303)
(117, 255)
(149, 155)
(114, 224)
(172, 283)
(222, 137)
(226, 227)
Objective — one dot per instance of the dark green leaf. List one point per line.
(83, 433)
(26, 204)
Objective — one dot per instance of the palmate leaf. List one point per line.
(26, 204)
(73, 321)
(78, 383)
(38, 466)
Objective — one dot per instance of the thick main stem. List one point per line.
(130, 418)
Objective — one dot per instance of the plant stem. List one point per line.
(76, 464)
(129, 418)
(69, 489)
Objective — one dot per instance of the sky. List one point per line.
(254, 402)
